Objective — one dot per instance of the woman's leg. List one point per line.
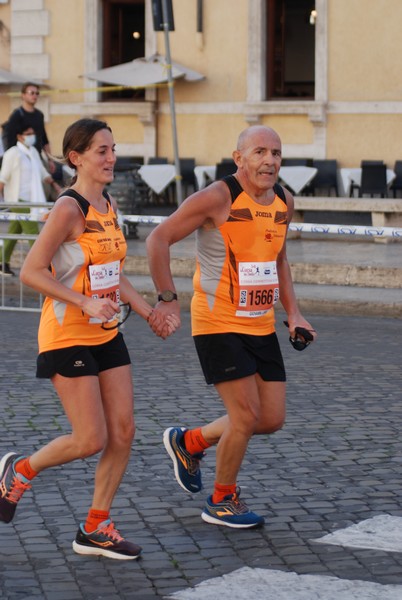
(82, 403)
(118, 407)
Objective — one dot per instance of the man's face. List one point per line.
(260, 158)
(31, 95)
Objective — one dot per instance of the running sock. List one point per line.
(220, 491)
(24, 468)
(194, 441)
(94, 518)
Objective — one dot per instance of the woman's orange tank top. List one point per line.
(90, 265)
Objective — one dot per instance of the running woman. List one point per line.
(81, 349)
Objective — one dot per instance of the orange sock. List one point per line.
(221, 490)
(23, 466)
(94, 518)
(194, 441)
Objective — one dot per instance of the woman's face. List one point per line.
(97, 162)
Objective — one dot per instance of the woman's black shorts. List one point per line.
(227, 356)
(78, 361)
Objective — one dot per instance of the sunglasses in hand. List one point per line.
(302, 338)
(119, 318)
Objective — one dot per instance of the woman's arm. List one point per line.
(64, 224)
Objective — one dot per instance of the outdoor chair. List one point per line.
(374, 181)
(225, 168)
(326, 178)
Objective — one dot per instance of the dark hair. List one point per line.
(22, 126)
(79, 136)
(28, 84)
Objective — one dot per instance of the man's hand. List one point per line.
(165, 318)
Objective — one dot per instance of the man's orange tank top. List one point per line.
(236, 282)
(90, 265)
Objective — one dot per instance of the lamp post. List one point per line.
(165, 18)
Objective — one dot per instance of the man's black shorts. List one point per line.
(77, 361)
(227, 356)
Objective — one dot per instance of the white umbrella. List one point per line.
(7, 78)
(141, 72)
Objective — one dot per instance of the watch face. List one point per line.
(168, 296)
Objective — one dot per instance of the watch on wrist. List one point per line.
(167, 296)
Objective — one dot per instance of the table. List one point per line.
(297, 178)
(348, 176)
(204, 174)
(158, 177)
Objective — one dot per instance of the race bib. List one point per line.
(258, 288)
(105, 280)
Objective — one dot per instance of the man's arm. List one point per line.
(206, 208)
(286, 290)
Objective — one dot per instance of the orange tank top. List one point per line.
(90, 265)
(236, 282)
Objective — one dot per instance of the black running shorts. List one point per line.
(78, 361)
(227, 356)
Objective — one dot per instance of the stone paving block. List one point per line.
(336, 462)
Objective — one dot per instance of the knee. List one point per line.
(271, 424)
(247, 423)
(122, 437)
(93, 444)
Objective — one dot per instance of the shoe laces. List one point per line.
(111, 532)
(194, 462)
(17, 488)
(241, 507)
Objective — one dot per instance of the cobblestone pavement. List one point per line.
(337, 461)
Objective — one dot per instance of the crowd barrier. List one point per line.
(16, 296)
(365, 230)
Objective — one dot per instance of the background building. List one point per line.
(324, 74)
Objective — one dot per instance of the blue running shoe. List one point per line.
(105, 541)
(186, 466)
(231, 512)
(12, 486)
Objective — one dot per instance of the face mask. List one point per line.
(30, 140)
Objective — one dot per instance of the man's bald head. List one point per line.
(250, 133)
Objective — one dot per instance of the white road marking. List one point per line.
(263, 584)
(379, 533)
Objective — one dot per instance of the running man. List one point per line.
(242, 269)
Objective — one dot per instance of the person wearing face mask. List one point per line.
(21, 181)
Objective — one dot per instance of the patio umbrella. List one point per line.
(7, 78)
(144, 71)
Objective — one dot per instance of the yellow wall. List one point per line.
(365, 49)
(223, 57)
(209, 138)
(65, 45)
(352, 138)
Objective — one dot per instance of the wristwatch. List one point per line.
(167, 296)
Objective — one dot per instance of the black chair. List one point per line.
(326, 177)
(364, 163)
(397, 183)
(374, 181)
(225, 168)
(297, 162)
(187, 166)
(157, 160)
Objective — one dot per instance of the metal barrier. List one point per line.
(16, 296)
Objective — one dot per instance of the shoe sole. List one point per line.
(171, 452)
(214, 521)
(89, 551)
(4, 460)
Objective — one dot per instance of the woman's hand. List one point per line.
(101, 308)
